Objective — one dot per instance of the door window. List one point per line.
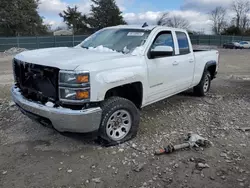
(183, 43)
(163, 39)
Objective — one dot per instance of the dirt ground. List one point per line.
(33, 156)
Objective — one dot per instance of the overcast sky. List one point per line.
(140, 11)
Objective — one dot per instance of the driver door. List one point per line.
(161, 70)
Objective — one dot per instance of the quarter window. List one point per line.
(183, 43)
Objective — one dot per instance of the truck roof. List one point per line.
(150, 27)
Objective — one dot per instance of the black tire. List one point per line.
(109, 107)
(200, 90)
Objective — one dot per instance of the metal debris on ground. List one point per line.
(192, 140)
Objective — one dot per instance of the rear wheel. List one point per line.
(120, 121)
(204, 86)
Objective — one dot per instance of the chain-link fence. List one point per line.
(69, 41)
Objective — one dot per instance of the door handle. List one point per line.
(191, 60)
(175, 63)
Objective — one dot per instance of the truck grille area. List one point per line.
(36, 82)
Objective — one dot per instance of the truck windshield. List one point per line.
(120, 40)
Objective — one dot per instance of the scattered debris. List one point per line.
(139, 167)
(96, 180)
(4, 172)
(11, 104)
(201, 166)
(240, 180)
(150, 181)
(244, 129)
(59, 169)
(193, 140)
(176, 166)
(134, 154)
(168, 181)
(224, 155)
(113, 152)
(82, 157)
(243, 145)
(134, 145)
(121, 150)
(223, 177)
(69, 171)
(212, 178)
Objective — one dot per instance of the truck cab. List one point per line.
(102, 83)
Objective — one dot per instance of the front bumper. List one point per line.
(62, 119)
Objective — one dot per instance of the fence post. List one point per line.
(220, 40)
(73, 40)
(209, 38)
(37, 42)
(198, 39)
(54, 41)
(17, 38)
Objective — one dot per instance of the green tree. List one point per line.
(105, 13)
(74, 19)
(20, 17)
(232, 30)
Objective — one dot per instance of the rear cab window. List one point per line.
(183, 43)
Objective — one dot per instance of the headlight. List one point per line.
(74, 94)
(74, 87)
(73, 78)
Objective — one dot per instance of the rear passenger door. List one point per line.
(186, 62)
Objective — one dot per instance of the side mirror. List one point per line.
(160, 51)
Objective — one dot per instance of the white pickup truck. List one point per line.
(101, 84)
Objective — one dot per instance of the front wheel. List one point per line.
(120, 121)
(203, 87)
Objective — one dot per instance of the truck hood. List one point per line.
(66, 58)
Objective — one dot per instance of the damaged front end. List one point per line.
(54, 97)
(36, 82)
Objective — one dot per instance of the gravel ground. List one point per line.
(35, 156)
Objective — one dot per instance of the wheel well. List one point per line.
(132, 92)
(212, 70)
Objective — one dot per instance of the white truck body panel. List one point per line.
(160, 77)
(201, 59)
